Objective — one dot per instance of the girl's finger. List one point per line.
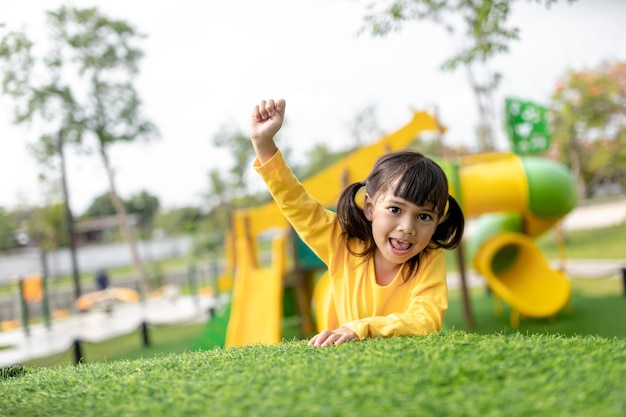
(263, 110)
(270, 107)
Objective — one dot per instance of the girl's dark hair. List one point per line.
(412, 177)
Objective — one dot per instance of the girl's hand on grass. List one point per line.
(336, 337)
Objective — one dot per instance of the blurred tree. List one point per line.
(238, 144)
(8, 227)
(318, 158)
(364, 127)
(46, 226)
(227, 191)
(81, 90)
(589, 125)
(180, 220)
(220, 202)
(486, 35)
(102, 205)
(144, 206)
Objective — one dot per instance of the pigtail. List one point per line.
(351, 217)
(449, 233)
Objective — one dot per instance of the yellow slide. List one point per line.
(256, 309)
(517, 199)
(530, 286)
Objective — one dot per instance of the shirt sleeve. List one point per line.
(315, 225)
(425, 312)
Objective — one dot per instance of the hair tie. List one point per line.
(362, 183)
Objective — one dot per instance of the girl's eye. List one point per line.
(394, 210)
(425, 217)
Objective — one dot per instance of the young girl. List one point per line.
(385, 259)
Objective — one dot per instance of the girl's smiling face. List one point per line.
(401, 229)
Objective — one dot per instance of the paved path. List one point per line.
(596, 215)
(98, 326)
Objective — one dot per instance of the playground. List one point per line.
(562, 351)
(509, 201)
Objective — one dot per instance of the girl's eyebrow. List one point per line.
(398, 201)
(401, 202)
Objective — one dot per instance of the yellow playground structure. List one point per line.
(514, 198)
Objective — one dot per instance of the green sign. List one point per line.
(527, 126)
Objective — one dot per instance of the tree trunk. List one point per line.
(122, 220)
(576, 164)
(483, 93)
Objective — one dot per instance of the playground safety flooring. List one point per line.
(17, 346)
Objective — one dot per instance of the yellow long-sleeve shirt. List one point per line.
(360, 303)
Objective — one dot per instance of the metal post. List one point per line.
(24, 305)
(624, 280)
(145, 336)
(45, 306)
(78, 353)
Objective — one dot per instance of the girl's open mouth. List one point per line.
(399, 247)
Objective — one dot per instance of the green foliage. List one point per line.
(484, 23)
(589, 127)
(240, 149)
(180, 220)
(47, 226)
(319, 157)
(103, 54)
(364, 127)
(452, 373)
(485, 32)
(100, 206)
(143, 205)
(7, 230)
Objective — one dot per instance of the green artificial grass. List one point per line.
(595, 316)
(453, 373)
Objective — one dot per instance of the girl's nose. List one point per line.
(407, 226)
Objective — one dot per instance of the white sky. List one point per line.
(208, 62)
